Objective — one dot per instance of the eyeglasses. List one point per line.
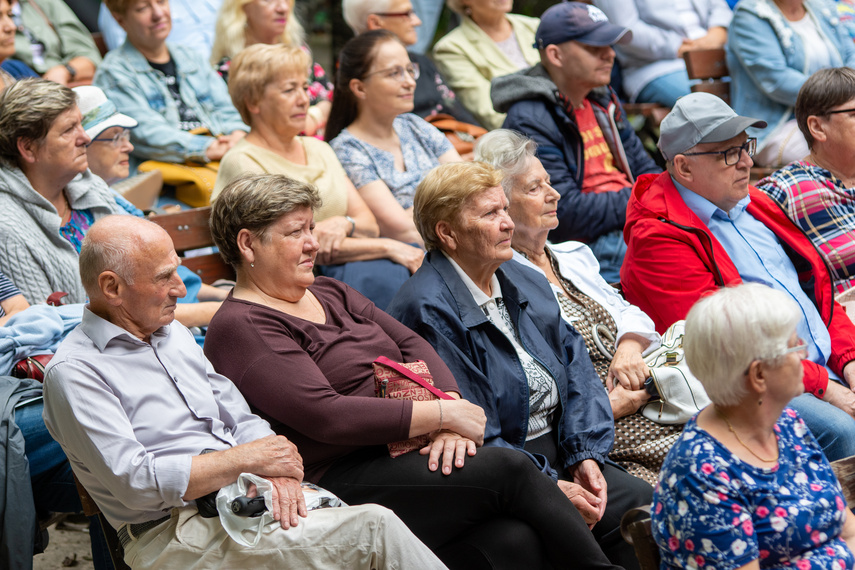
(398, 72)
(117, 140)
(801, 347)
(732, 154)
(408, 14)
(852, 110)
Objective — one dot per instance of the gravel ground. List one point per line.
(68, 548)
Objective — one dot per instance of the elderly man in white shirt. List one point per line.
(134, 403)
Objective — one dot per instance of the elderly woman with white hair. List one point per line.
(747, 485)
(616, 333)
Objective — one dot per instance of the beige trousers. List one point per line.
(362, 537)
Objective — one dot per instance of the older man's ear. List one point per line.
(681, 168)
(110, 286)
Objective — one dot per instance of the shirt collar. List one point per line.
(704, 209)
(102, 331)
(478, 295)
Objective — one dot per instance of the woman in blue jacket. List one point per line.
(773, 46)
(498, 327)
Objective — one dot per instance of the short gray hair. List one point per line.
(255, 203)
(113, 254)
(507, 150)
(356, 12)
(731, 328)
(28, 109)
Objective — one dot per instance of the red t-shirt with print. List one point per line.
(601, 174)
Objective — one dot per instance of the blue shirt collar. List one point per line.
(704, 209)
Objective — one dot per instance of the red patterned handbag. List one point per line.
(406, 381)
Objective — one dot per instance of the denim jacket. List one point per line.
(436, 304)
(767, 63)
(137, 89)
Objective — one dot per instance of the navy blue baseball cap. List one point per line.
(579, 22)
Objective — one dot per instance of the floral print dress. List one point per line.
(713, 510)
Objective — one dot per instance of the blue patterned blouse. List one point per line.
(712, 510)
(421, 145)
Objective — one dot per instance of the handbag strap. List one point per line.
(412, 376)
(596, 331)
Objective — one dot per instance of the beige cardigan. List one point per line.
(469, 59)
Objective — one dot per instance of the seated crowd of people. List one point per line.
(523, 279)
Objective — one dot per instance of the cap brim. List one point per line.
(117, 120)
(606, 35)
(732, 127)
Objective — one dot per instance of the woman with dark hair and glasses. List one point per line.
(817, 192)
(385, 149)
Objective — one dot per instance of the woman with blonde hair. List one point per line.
(268, 87)
(242, 23)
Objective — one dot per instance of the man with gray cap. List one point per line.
(700, 226)
(584, 141)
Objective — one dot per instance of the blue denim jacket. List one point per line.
(767, 63)
(436, 304)
(137, 89)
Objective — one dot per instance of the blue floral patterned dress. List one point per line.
(713, 510)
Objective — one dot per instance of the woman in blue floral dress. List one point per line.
(746, 485)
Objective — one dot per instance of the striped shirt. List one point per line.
(7, 290)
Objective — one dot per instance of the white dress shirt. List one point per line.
(130, 415)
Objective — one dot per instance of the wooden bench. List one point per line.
(191, 230)
(636, 526)
(709, 68)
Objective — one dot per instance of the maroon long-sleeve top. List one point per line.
(315, 382)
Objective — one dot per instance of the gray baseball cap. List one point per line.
(700, 118)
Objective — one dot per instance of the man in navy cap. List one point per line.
(584, 141)
(700, 226)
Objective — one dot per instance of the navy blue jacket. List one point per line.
(530, 100)
(437, 305)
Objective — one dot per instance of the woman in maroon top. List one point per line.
(301, 352)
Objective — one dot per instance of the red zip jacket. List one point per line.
(672, 259)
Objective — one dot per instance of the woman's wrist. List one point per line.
(352, 229)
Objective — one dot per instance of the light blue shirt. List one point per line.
(760, 258)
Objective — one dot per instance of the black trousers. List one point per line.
(499, 511)
(624, 492)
